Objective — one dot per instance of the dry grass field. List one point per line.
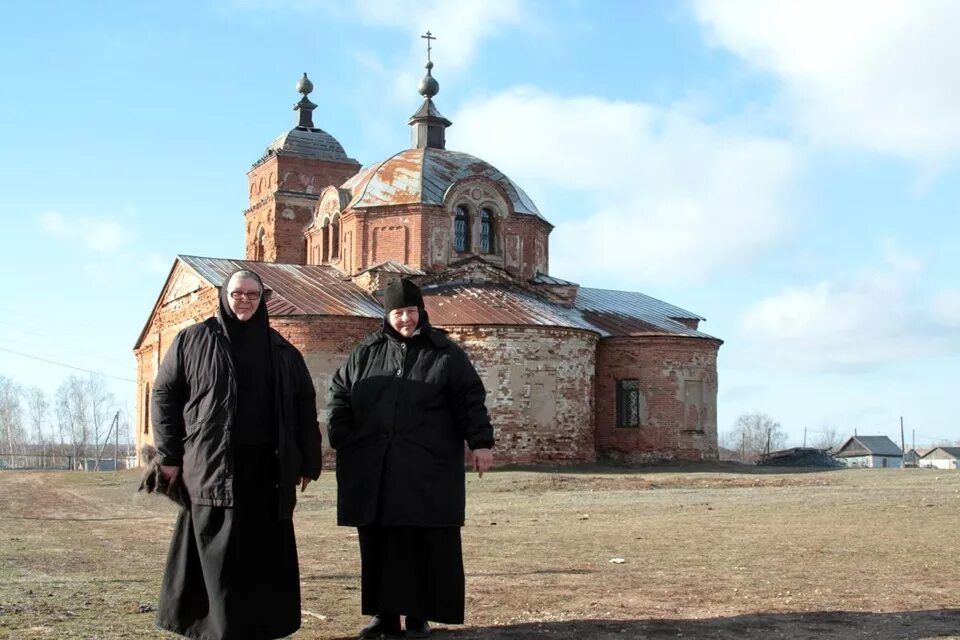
(707, 552)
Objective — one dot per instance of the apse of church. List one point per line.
(572, 374)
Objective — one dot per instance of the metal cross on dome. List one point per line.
(428, 37)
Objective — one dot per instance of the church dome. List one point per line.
(309, 142)
(423, 176)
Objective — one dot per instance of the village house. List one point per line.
(572, 373)
(940, 458)
(869, 451)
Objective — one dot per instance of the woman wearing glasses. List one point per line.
(235, 422)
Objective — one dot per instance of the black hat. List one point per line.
(401, 293)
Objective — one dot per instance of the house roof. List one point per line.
(950, 451)
(868, 445)
(423, 176)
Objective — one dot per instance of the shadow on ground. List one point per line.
(601, 468)
(818, 625)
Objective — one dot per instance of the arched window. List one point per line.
(325, 240)
(487, 229)
(258, 244)
(335, 237)
(461, 229)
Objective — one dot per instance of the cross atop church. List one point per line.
(428, 37)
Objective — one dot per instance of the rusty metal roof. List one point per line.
(297, 289)
(481, 304)
(423, 176)
(621, 313)
(322, 290)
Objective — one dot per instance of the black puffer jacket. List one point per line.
(398, 414)
(193, 411)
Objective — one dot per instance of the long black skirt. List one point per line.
(232, 573)
(414, 571)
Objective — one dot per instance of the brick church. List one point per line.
(572, 374)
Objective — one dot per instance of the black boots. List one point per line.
(417, 628)
(386, 626)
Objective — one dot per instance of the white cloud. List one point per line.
(101, 235)
(875, 317)
(460, 26)
(875, 74)
(104, 235)
(54, 223)
(660, 194)
(946, 308)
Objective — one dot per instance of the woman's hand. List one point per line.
(482, 460)
(171, 474)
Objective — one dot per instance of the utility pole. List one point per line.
(902, 443)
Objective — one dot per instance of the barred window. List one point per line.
(628, 403)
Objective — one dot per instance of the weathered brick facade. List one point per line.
(572, 374)
(539, 383)
(678, 391)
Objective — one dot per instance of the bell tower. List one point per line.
(285, 185)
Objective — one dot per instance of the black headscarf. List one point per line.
(399, 294)
(250, 348)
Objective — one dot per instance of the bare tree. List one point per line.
(13, 438)
(73, 412)
(101, 412)
(39, 410)
(754, 434)
(828, 438)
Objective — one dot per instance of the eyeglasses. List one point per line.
(249, 295)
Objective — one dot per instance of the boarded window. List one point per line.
(693, 403)
(628, 403)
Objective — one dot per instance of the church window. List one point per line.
(258, 244)
(335, 237)
(628, 403)
(487, 243)
(461, 229)
(325, 241)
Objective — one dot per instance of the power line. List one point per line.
(64, 364)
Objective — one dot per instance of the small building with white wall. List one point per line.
(941, 458)
(869, 452)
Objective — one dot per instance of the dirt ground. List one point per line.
(717, 552)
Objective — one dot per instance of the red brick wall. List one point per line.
(325, 342)
(673, 424)
(539, 383)
(284, 191)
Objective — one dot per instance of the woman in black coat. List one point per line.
(235, 421)
(398, 414)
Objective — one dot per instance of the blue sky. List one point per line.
(787, 170)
